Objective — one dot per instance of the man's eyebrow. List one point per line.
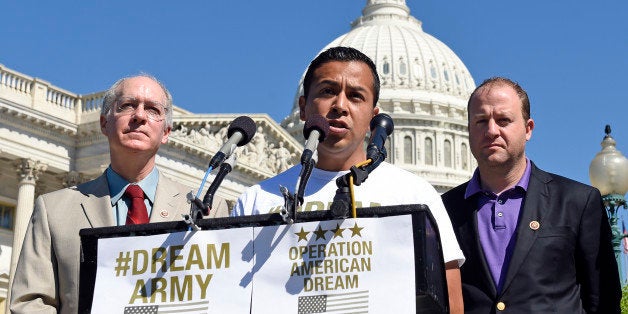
(147, 101)
(336, 83)
(359, 88)
(327, 82)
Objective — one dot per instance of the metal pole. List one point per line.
(613, 202)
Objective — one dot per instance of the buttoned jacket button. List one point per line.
(501, 306)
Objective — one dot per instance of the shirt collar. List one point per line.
(118, 184)
(475, 186)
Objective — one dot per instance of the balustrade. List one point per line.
(41, 95)
(15, 81)
(93, 102)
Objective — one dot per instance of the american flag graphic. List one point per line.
(342, 303)
(185, 307)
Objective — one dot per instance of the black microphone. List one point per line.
(381, 127)
(315, 130)
(225, 168)
(240, 132)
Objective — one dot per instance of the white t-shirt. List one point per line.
(386, 185)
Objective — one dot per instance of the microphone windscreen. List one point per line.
(383, 120)
(244, 125)
(316, 122)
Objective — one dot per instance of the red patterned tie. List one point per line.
(137, 213)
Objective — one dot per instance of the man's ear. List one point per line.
(302, 108)
(529, 128)
(167, 130)
(375, 111)
(103, 124)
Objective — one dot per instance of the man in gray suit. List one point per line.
(136, 118)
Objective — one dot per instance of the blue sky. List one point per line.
(248, 56)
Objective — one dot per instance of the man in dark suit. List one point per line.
(534, 242)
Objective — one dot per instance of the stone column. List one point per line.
(28, 171)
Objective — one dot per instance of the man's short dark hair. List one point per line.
(523, 96)
(343, 54)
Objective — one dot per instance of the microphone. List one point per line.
(240, 132)
(381, 127)
(315, 130)
(225, 168)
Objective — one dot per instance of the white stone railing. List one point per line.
(46, 98)
(92, 102)
(38, 94)
(15, 81)
(60, 98)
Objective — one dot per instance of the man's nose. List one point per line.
(492, 129)
(340, 104)
(139, 115)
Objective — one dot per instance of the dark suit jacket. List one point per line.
(567, 265)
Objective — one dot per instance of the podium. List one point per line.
(430, 295)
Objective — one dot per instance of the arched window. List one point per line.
(432, 70)
(464, 156)
(447, 153)
(407, 150)
(386, 67)
(429, 159)
(402, 67)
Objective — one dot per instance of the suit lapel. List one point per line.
(472, 207)
(168, 200)
(96, 202)
(536, 202)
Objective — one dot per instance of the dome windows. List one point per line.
(407, 149)
(386, 66)
(402, 66)
(429, 159)
(433, 70)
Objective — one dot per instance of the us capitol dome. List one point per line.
(424, 88)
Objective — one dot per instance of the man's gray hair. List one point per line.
(113, 93)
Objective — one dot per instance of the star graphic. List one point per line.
(302, 235)
(320, 233)
(355, 230)
(338, 231)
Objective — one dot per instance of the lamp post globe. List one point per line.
(608, 172)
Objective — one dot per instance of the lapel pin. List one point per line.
(534, 225)
(164, 214)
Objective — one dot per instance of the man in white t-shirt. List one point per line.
(342, 85)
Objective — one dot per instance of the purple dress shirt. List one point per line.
(497, 217)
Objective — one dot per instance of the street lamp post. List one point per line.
(609, 173)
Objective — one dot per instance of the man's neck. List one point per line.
(134, 169)
(498, 179)
(331, 162)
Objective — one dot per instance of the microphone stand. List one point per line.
(199, 208)
(225, 168)
(293, 201)
(342, 200)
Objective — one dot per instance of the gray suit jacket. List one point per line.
(47, 275)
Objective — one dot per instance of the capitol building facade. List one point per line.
(50, 137)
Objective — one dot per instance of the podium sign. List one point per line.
(177, 272)
(388, 260)
(353, 265)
